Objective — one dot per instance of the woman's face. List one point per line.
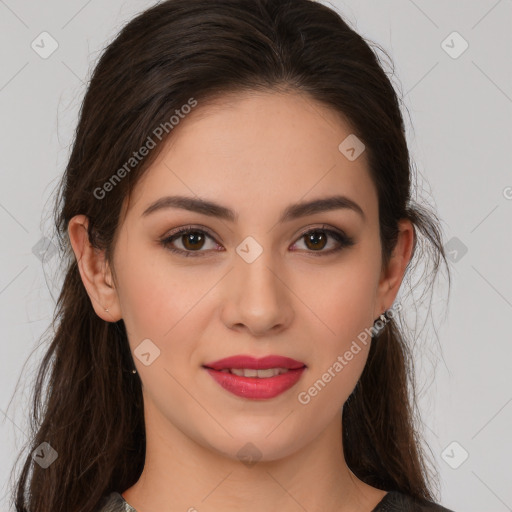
(252, 284)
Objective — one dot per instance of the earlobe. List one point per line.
(393, 274)
(94, 271)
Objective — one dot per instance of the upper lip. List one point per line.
(263, 363)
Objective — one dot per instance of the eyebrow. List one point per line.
(293, 211)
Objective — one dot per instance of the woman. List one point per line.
(235, 214)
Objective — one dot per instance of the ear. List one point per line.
(94, 271)
(392, 276)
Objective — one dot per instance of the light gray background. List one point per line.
(460, 140)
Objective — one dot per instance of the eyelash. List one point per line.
(343, 240)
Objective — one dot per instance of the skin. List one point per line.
(256, 154)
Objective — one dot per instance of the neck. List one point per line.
(182, 475)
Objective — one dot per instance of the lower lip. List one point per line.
(254, 387)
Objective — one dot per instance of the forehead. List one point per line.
(256, 149)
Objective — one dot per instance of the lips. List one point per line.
(263, 363)
(263, 378)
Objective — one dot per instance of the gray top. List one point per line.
(393, 501)
(114, 502)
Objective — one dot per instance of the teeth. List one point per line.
(260, 374)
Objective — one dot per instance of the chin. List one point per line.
(260, 447)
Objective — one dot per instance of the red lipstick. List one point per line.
(270, 375)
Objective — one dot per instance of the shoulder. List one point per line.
(114, 502)
(395, 501)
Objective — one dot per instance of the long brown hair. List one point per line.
(87, 404)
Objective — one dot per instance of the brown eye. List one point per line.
(315, 240)
(193, 240)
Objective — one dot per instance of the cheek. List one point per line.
(153, 295)
(340, 299)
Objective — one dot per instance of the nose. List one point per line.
(257, 298)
